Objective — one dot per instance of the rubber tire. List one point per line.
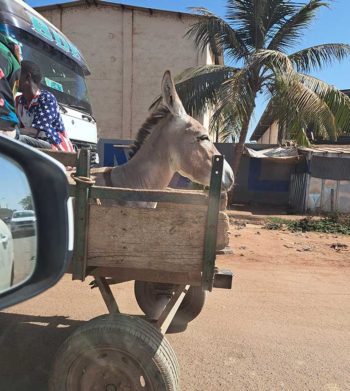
(132, 335)
(189, 309)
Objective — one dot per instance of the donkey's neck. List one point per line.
(150, 168)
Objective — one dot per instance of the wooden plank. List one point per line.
(223, 204)
(123, 195)
(165, 240)
(66, 158)
(223, 201)
(126, 274)
(223, 231)
(81, 218)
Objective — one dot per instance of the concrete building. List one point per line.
(128, 49)
(266, 134)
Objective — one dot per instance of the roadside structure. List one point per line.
(268, 130)
(307, 180)
(321, 180)
(128, 49)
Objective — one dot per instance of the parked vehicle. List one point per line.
(7, 220)
(63, 67)
(6, 257)
(23, 220)
(24, 170)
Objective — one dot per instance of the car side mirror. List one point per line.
(36, 222)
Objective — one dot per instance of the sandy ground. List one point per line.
(285, 325)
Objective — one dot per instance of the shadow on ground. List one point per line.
(28, 346)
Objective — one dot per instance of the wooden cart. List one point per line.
(169, 251)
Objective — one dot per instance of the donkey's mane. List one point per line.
(146, 129)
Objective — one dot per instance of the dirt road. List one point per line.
(284, 326)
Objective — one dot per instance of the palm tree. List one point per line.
(257, 36)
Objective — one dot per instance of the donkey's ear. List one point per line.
(170, 97)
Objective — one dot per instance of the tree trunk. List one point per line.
(239, 148)
(238, 152)
(254, 85)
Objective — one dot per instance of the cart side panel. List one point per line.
(160, 239)
(223, 226)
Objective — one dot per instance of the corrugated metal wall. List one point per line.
(297, 192)
(322, 185)
(328, 195)
(259, 181)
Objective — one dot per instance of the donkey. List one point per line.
(169, 141)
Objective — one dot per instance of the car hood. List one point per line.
(21, 219)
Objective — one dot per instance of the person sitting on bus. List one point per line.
(38, 112)
(9, 78)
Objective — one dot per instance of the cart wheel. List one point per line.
(116, 352)
(153, 297)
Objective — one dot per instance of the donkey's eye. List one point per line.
(203, 137)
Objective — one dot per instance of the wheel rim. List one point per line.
(107, 369)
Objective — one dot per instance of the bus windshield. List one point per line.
(61, 75)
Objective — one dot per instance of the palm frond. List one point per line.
(213, 31)
(278, 11)
(257, 20)
(259, 33)
(198, 87)
(236, 101)
(293, 28)
(271, 59)
(225, 128)
(305, 108)
(314, 58)
(249, 15)
(337, 101)
(301, 138)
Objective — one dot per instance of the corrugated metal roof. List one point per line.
(327, 148)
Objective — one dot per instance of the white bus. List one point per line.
(63, 67)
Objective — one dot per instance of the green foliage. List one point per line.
(27, 203)
(333, 223)
(274, 223)
(257, 37)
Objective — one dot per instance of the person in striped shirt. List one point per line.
(41, 123)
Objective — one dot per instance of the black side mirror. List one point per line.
(36, 222)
